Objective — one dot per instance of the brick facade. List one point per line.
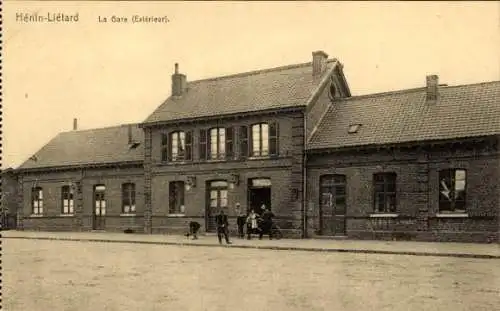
(83, 182)
(417, 198)
(283, 170)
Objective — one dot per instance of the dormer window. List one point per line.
(353, 128)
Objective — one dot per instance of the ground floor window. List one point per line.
(67, 200)
(452, 190)
(384, 185)
(37, 201)
(176, 197)
(128, 198)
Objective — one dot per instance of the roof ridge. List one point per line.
(101, 128)
(257, 71)
(412, 90)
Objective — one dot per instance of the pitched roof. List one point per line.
(281, 87)
(89, 147)
(405, 116)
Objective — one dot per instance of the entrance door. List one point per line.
(332, 205)
(99, 220)
(217, 199)
(259, 192)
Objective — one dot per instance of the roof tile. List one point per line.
(405, 116)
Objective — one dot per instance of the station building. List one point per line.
(420, 164)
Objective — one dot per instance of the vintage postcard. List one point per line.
(217, 155)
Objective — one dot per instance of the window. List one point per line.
(353, 128)
(128, 198)
(384, 192)
(176, 197)
(37, 201)
(67, 200)
(264, 139)
(177, 146)
(452, 190)
(216, 143)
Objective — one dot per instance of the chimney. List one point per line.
(75, 124)
(130, 134)
(319, 62)
(432, 87)
(178, 82)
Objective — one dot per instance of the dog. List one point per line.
(194, 226)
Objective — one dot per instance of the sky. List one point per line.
(107, 74)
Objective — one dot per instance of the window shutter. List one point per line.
(203, 144)
(229, 142)
(189, 143)
(243, 131)
(164, 147)
(273, 139)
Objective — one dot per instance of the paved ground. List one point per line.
(470, 250)
(67, 275)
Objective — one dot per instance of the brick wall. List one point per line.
(417, 192)
(52, 183)
(285, 172)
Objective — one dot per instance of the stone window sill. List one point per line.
(453, 215)
(384, 215)
(35, 215)
(176, 215)
(66, 215)
(127, 215)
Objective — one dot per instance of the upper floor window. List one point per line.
(67, 200)
(128, 198)
(264, 139)
(384, 185)
(176, 197)
(452, 190)
(177, 146)
(216, 143)
(37, 201)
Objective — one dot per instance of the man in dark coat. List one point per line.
(222, 226)
(194, 226)
(267, 223)
(240, 220)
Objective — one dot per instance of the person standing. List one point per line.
(252, 225)
(267, 223)
(222, 226)
(240, 220)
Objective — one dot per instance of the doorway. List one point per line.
(99, 210)
(332, 205)
(216, 200)
(259, 193)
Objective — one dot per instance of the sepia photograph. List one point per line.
(250, 155)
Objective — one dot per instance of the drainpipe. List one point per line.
(304, 181)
